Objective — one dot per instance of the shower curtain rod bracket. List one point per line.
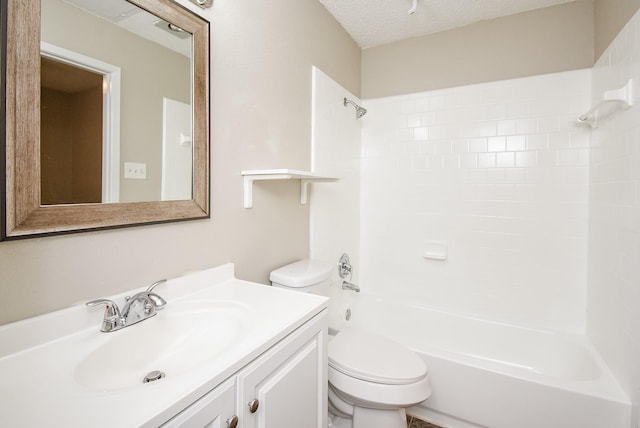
(622, 97)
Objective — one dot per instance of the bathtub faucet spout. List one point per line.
(346, 285)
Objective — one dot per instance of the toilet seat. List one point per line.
(372, 358)
(374, 372)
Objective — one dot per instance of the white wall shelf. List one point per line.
(305, 178)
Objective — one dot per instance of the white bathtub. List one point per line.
(486, 374)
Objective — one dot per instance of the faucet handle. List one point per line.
(157, 301)
(111, 314)
(344, 266)
(111, 306)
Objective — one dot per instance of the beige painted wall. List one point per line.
(543, 41)
(610, 16)
(262, 53)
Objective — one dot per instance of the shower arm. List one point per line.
(360, 111)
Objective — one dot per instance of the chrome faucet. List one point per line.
(137, 308)
(345, 269)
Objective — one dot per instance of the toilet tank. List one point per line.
(308, 276)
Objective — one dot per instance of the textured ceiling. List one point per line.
(377, 22)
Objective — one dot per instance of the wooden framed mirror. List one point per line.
(24, 213)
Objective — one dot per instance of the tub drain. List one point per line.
(153, 376)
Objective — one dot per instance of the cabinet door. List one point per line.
(216, 409)
(287, 386)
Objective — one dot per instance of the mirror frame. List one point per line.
(23, 215)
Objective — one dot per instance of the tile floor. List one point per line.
(414, 422)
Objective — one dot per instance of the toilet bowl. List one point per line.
(372, 380)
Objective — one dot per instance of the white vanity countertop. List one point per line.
(42, 358)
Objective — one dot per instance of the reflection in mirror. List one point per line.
(154, 59)
(114, 131)
(70, 134)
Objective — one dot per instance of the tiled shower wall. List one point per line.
(335, 206)
(614, 217)
(497, 175)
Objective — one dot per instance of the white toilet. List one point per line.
(372, 380)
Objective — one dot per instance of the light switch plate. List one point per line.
(135, 170)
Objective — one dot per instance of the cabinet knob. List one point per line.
(253, 405)
(232, 422)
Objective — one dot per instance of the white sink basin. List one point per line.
(181, 337)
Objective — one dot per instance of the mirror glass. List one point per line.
(116, 119)
(106, 119)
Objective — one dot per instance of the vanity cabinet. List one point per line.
(222, 343)
(286, 386)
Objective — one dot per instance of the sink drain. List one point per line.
(153, 376)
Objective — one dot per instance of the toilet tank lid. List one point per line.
(302, 274)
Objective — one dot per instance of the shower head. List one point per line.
(360, 111)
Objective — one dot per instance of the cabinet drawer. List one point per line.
(213, 410)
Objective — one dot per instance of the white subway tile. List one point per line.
(547, 124)
(559, 140)
(486, 160)
(451, 161)
(412, 148)
(487, 129)
(516, 143)
(421, 133)
(477, 176)
(526, 159)
(407, 107)
(538, 107)
(459, 145)
(505, 160)
(422, 104)
(469, 160)
(567, 157)
(427, 147)
(443, 146)
(419, 162)
(496, 144)
(438, 102)
(477, 145)
(493, 112)
(468, 130)
(414, 120)
(430, 118)
(507, 127)
(448, 116)
(534, 175)
(526, 126)
(439, 132)
(515, 175)
(578, 175)
(496, 176)
(405, 134)
(435, 161)
(536, 141)
(516, 110)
